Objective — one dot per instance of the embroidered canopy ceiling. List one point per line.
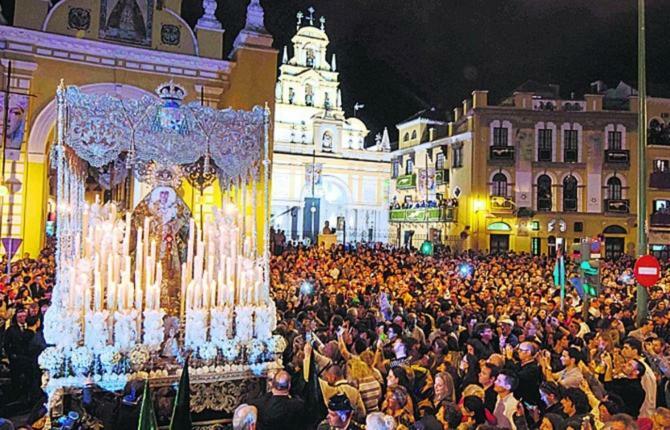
(165, 131)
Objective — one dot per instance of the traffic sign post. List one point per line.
(647, 270)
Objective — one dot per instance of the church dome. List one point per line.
(356, 124)
(313, 33)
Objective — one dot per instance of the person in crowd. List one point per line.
(506, 404)
(340, 415)
(245, 417)
(281, 410)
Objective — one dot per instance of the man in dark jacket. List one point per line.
(279, 411)
(529, 373)
(18, 340)
(629, 388)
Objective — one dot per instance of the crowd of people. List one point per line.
(407, 204)
(25, 294)
(383, 338)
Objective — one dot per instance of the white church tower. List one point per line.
(313, 134)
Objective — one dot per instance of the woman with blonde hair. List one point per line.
(443, 387)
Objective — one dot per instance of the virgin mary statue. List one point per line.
(169, 227)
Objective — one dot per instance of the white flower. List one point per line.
(110, 356)
(276, 344)
(208, 351)
(255, 348)
(81, 359)
(51, 359)
(230, 349)
(139, 356)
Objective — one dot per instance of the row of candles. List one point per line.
(221, 268)
(102, 277)
(218, 271)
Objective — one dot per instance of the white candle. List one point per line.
(159, 282)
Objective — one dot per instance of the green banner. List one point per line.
(420, 214)
(405, 182)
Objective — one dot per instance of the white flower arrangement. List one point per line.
(255, 350)
(125, 329)
(51, 360)
(230, 349)
(208, 351)
(220, 324)
(61, 328)
(97, 332)
(110, 356)
(139, 356)
(244, 323)
(196, 328)
(154, 331)
(81, 360)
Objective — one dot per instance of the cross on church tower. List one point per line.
(300, 16)
(311, 15)
(322, 20)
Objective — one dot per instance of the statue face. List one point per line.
(164, 196)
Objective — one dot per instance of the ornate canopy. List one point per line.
(165, 131)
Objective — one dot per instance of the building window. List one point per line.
(544, 144)
(614, 140)
(544, 193)
(570, 146)
(536, 246)
(395, 169)
(310, 57)
(413, 134)
(439, 161)
(614, 188)
(500, 136)
(535, 225)
(405, 137)
(309, 95)
(291, 95)
(579, 227)
(569, 194)
(661, 165)
(499, 185)
(457, 156)
(409, 167)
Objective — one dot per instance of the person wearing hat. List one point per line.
(340, 414)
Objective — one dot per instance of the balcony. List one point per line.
(405, 182)
(659, 135)
(617, 206)
(502, 204)
(441, 176)
(660, 180)
(501, 155)
(660, 219)
(423, 215)
(617, 157)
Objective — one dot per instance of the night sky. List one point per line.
(401, 56)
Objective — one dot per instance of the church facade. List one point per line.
(322, 170)
(124, 48)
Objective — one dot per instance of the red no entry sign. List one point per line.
(647, 270)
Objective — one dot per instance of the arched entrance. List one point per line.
(499, 233)
(615, 241)
(331, 199)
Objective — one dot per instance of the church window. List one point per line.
(405, 137)
(309, 95)
(414, 134)
(291, 95)
(310, 57)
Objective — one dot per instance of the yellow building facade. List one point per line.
(103, 48)
(658, 171)
(534, 173)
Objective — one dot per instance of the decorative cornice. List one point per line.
(67, 48)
